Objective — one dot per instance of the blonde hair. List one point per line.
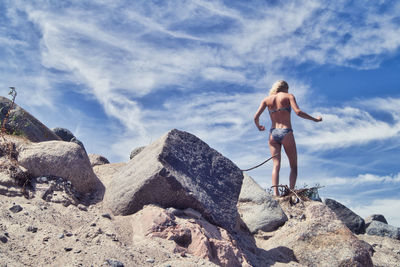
(279, 86)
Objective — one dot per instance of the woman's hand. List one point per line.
(261, 128)
(318, 119)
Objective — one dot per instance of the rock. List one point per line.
(3, 239)
(16, 208)
(150, 260)
(106, 215)
(106, 172)
(96, 160)
(355, 223)
(386, 250)
(136, 151)
(190, 236)
(178, 170)
(78, 142)
(20, 122)
(32, 229)
(382, 229)
(68, 249)
(60, 159)
(375, 217)
(82, 207)
(319, 240)
(64, 134)
(258, 209)
(114, 263)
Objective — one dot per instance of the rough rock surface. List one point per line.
(258, 209)
(383, 229)
(386, 250)
(316, 237)
(20, 122)
(96, 159)
(136, 151)
(179, 170)
(190, 234)
(12, 176)
(106, 172)
(60, 159)
(355, 223)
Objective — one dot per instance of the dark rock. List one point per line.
(136, 151)
(354, 222)
(64, 134)
(115, 263)
(382, 229)
(3, 239)
(178, 170)
(106, 215)
(68, 249)
(32, 229)
(375, 217)
(16, 208)
(20, 122)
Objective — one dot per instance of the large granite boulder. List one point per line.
(316, 237)
(383, 229)
(178, 170)
(355, 223)
(257, 209)
(20, 122)
(61, 159)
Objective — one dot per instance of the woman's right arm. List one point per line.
(260, 110)
(300, 113)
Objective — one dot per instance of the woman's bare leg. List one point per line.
(275, 148)
(289, 145)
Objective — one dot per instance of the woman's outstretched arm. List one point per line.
(300, 113)
(260, 110)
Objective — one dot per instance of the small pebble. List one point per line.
(67, 249)
(6, 234)
(45, 239)
(3, 239)
(106, 215)
(115, 263)
(16, 208)
(61, 236)
(150, 260)
(32, 229)
(93, 224)
(82, 207)
(68, 234)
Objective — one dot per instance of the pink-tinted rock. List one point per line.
(193, 236)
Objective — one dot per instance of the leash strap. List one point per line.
(260, 163)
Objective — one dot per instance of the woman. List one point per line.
(280, 103)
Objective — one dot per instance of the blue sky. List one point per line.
(119, 74)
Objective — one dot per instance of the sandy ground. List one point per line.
(49, 234)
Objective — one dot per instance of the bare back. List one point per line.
(281, 117)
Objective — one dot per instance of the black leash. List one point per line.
(260, 163)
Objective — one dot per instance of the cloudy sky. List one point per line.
(119, 74)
